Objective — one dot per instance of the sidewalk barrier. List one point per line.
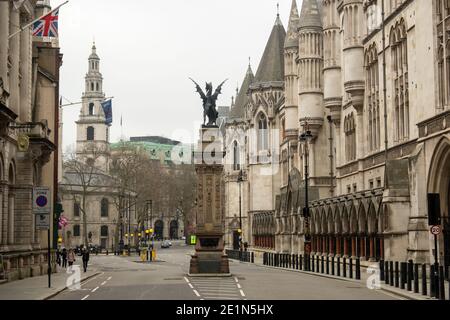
(317, 264)
(312, 263)
(338, 271)
(344, 267)
(358, 269)
(382, 270)
(321, 264)
(396, 275)
(386, 272)
(253, 257)
(350, 271)
(327, 264)
(416, 278)
(300, 262)
(332, 265)
(441, 283)
(424, 279)
(402, 275)
(410, 275)
(432, 282)
(391, 273)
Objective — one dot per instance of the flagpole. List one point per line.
(31, 23)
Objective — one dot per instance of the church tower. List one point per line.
(92, 129)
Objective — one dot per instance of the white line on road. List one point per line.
(239, 286)
(236, 279)
(242, 293)
(191, 286)
(95, 289)
(85, 297)
(187, 280)
(196, 293)
(109, 278)
(103, 283)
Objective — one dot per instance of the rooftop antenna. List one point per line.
(278, 9)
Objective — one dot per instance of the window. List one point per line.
(104, 210)
(76, 230)
(76, 209)
(400, 78)
(90, 133)
(378, 182)
(371, 183)
(350, 137)
(355, 188)
(349, 189)
(236, 156)
(91, 109)
(263, 143)
(92, 86)
(443, 41)
(97, 86)
(372, 95)
(104, 231)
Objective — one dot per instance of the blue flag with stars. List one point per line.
(107, 109)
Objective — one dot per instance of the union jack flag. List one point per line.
(47, 26)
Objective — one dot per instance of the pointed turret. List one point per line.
(271, 67)
(310, 15)
(237, 112)
(292, 34)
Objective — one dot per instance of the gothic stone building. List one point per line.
(29, 109)
(374, 94)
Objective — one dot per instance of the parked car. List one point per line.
(165, 244)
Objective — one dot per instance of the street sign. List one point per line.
(436, 230)
(193, 239)
(41, 200)
(43, 221)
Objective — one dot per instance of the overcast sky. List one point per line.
(149, 48)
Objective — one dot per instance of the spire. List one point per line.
(237, 112)
(94, 52)
(310, 15)
(292, 35)
(271, 67)
(278, 20)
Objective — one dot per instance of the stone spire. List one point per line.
(241, 100)
(310, 15)
(292, 35)
(271, 67)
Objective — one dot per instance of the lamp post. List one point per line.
(305, 138)
(239, 180)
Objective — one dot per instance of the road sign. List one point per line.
(42, 221)
(435, 230)
(41, 200)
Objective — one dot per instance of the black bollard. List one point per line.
(332, 265)
(317, 264)
(436, 281)
(300, 258)
(382, 270)
(396, 275)
(432, 283)
(386, 272)
(424, 279)
(264, 258)
(350, 266)
(344, 267)
(358, 269)
(402, 275)
(328, 264)
(410, 275)
(321, 264)
(312, 263)
(338, 265)
(416, 278)
(391, 271)
(441, 283)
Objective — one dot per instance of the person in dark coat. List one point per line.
(64, 258)
(85, 258)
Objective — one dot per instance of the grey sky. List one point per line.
(149, 48)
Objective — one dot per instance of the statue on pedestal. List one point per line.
(209, 102)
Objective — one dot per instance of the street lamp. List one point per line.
(239, 180)
(305, 139)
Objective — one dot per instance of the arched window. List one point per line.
(76, 209)
(263, 141)
(236, 156)
(103, 231)
(92, 86)
(104, 210)
(373, 101)
(76, 230)
(90, 133)
(91, 109)
(350, 137)
(97, 86)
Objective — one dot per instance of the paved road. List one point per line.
(124, 278)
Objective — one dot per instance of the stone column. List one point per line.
(14, 48)
(4, 32)
(353, 241)
(372, 247)
(346, 240)
(25, 68)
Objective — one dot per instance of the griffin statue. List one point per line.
(209, 102)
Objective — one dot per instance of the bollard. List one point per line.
(350, 266)
(321, 264)
(386, 272)
(312, 263)
(300, 258)
(416, 278)
(402, 275)
(358, 269)
(253, 257)
(338, 271)
(296, 261)
(410, 275)
(382, 270)
(317, 264)
(396, 274)
(436, 281)
(441, 283)
(344, 267)
(332, 265)
(432, 283)
(264, 258)
(391, 271)
(327, 264)
(424, 279)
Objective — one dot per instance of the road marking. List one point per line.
(236, 279)
(196, 293)
(85, 297)
(187, 280)
(242, 293)
(95, 289)
(227, 298)
(191, 286)
(109, 278)
(239, 286)
(103, 283)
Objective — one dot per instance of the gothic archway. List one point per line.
(159, 229)
(173, 229)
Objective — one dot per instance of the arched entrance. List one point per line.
(439, 182)
(159, 229)
(173, 229)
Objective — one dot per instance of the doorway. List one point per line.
(236, 244)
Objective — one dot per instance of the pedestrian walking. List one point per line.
(71, 257)
(64, 258)
(85, 259)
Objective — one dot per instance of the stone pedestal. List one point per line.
(209, 258)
